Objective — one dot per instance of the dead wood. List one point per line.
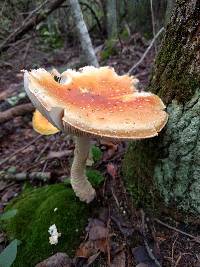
(15, 111)
(22, 176)
(29, 24)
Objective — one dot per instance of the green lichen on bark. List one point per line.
(176, 173)
(167, 168)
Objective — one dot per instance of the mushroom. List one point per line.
(94, 102)
(42, 125)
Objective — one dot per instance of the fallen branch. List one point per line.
(23, 176)
(59, 154)
(30, 23)
(19, 110)
(194, 238)
(6, 93)
(147, 50)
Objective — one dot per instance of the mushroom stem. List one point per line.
(82, 187)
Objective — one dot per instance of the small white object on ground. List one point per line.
(54, 235)
(55, 209)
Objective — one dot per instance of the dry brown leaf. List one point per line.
(112, 169)
(57, 260)
(119, 260)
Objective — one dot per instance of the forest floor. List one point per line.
(134, 238)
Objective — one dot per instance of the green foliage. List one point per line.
(36, 214)
(109, 50)
(124, 35)
(13, 100)
(95, 177)
(51, 38)
(8, 214)
(137, 169)
(8, 255)
(96, 153)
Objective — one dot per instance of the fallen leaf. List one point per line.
(97, 230)
(86, 249)
(112, 169)
(119, 260)
(92, 258)
(97, 241)
(141, 256)
(57, 260)
(110, 151)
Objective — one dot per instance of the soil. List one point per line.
(135, 236)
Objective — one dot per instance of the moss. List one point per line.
(96, 153)
(138, 166)
(95, 177)
(35, 215)
(176, 73)
(109, 50)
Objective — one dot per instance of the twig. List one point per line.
(26, 52)
(115, 198)
(153, 24)
(173, 245)
(5, 63)
(7, 185)
(42, 151)
(19, 110)
(20, 150)
(149, 251)
(147, 50)
(194, 238)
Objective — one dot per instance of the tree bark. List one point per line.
(83, 34)
(111, 10)
(168, 167)
(169, 8)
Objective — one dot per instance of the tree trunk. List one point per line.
(168, 167)
(111, 19)
(83, 34)
(169, 8)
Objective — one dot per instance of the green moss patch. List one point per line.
(138, 168)
(36, 214)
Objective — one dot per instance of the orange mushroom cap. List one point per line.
(42, 125)
(96, 102)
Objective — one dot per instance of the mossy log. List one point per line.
(166, 169)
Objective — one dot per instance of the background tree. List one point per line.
(168, 166)
(111, 10)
